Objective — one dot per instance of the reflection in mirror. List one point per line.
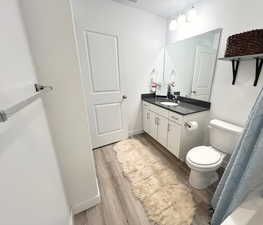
(190, 65)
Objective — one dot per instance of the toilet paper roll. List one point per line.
(191, 125)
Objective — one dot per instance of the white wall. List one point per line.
(141, 38)
(232, 103)
(50, 31)
(31, 188)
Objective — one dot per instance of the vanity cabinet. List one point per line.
(169, 129)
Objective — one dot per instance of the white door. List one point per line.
(205, 59)
(174, 136)
(106, 100)
(162, 124)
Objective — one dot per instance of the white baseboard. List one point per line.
(86, 205)
(71, 218)
(134, 132)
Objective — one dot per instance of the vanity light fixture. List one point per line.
(173, 25)
(191, 15)
(181, 19)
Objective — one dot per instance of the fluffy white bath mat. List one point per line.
(166, 200)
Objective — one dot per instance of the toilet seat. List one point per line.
(204, 158)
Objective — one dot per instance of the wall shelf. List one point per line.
(236, 61)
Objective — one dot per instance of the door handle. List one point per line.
(124, 97)
(194, 92)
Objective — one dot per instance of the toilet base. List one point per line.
(202, 180)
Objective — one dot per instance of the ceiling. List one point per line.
(164, 8)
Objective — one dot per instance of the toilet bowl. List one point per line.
(205, 160)
(203, 169)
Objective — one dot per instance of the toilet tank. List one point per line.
(223, 136)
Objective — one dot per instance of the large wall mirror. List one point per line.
(190, 65)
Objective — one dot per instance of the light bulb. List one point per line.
(173, 24)
(182, 19)
(191, 15)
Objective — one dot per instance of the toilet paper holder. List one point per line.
(191, 125)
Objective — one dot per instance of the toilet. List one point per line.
(205, 160)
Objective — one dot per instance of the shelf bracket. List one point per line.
(235, 66)
(259, 64)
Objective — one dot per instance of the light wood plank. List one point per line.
(94, 216)
(119, 206)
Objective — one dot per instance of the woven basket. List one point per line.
(247, 43)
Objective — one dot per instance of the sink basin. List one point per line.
(169, 103)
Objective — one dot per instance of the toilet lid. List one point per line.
(204, 155)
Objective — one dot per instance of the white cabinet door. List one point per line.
(162, 127)
(152, 124)
(149, 122)
(146, 120)
(174, 136)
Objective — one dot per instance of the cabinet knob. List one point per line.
(124, 97)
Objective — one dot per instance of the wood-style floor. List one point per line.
(119, 206)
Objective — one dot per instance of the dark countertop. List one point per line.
(184, 107)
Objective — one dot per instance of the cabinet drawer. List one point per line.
(160, 111)
(146, 105)
(175, 117)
